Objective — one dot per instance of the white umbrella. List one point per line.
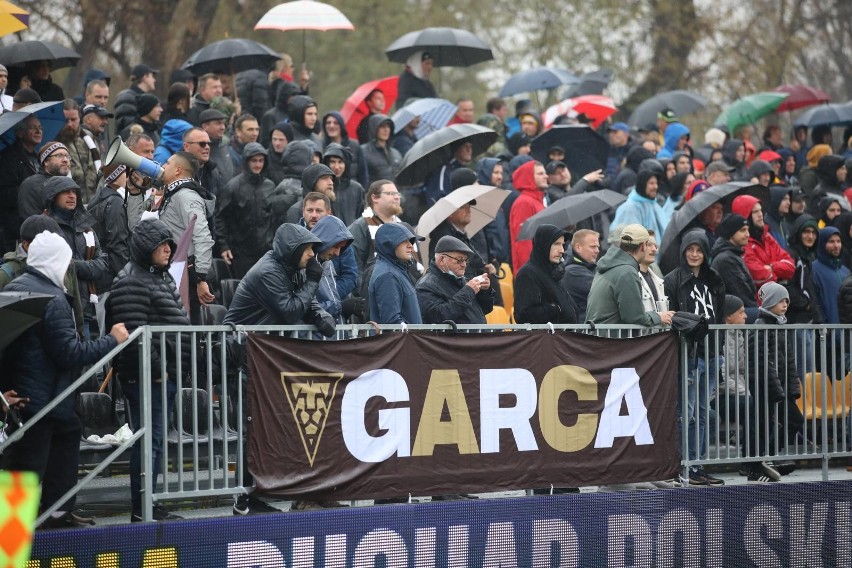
(488, 200)
(304, 15)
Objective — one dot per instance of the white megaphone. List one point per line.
(120, 155)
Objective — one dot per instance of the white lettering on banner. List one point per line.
(678, 522)
(623, 530)
(759, 518)
(806, 542)
(335, 551)
(457, 547)
(254, 554)
(381, 543)
(624, 386)
(521, 384)
(500, 546)
(425, 547)
(397, 421)
(842, 534)
(303, 552)
(549, 532)
(713, 538)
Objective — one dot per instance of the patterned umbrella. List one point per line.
(596, 107)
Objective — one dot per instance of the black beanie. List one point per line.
(730, 224)
(146, 103)
(462, 177)
(37, 224)
(732, 304)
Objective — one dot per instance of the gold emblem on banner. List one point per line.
(311, 396)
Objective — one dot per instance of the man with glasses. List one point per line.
(383, 206)
(17, 162)
(445, 294)
(197, 142)
(55, 161)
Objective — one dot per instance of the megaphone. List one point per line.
(119, 154)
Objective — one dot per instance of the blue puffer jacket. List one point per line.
(392, 296)
(171, 139)
(49, 356)
(674, 131)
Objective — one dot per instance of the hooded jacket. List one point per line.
(16, 165)
(578, 281)
(382, 162)
(253, 92)
(330, 230)
(804, 307)
(183, 199)
(627, 177)
(109, 217)
(764, 257)
(392, 296)
(310, 176)
(350, 194)
(275, 291)
(144, 294)
(297, 156)
(31, 194)
(278, 112)
(673, 133)
(616, 293)
(828, 184)
(539, 297)
(357, 169)
(779, 227)
(703, 294)
(727, 261)
(639, 208)
(729, 154)
(529, 202)
(412, 85)
(247, 214)
(828, 274)
(296, 108)
(171, 140)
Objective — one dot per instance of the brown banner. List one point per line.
(430, 414)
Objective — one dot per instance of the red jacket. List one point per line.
(530, 202)
(765, 259)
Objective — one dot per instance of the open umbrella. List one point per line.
(355, 106)
(826, 115)
(434, 115)
(19, 311)
(801, 96)
(585, 149)
(23, 52)
(536, 78)
(571, 210)
(685, 217)
(12, 18)
(436, 149)
(680, 101)
(229, 56)
(449, 47)
(50, 114)
(749, 109)
(488, 201)
(304, 15)
(592, 83)
(595, 107)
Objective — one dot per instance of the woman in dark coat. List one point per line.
(538, 296)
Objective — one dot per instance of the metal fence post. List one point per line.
(145, 421)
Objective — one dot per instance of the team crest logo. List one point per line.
(311, 396)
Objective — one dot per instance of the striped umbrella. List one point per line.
(434, 115)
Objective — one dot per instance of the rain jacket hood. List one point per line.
(824, 235)
(148, 235)
(296, 108)
(297, 156)
(827, 169)
(172, 135)
(523, 178)
(695, 237)
(312, 174)
(674, 132)
(331, 230)
(338, 151)
(388, 237)
(485, 169)
(289, 244)
(377, 120)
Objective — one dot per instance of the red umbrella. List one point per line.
(801, 96)
(355, 107)
(596, 107)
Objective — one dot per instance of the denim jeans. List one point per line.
(700, 386)
(134, 418)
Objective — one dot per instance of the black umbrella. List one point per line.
(536, 78)
(685, 217)
(436, 149)
(680, 101)
(592, 83)
(449, 47)
(585, 149)
(571, 210)
(23, 52)
(826, 115)
(19, 311)
(229, 56)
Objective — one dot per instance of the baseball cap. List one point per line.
(717, 166)
(668, 115)
(551, 167)
(634, 234)
(141, 70)
(622, 126)
(97, 109)
(211, 114)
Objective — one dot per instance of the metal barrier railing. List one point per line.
(204, 437)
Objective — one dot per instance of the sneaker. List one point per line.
(768, 469)
(697, 478)
(759, 477)
(67, 520)
(160, 513)
(251, 505)
(712, 480)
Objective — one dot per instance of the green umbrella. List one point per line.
(749, 109)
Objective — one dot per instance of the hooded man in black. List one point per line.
(297, 156)
(831, 172)
(281, 136)
(350, 194)
(316, 177)
(302, 111)
(382, 159)
(277, 113)
(539, 298)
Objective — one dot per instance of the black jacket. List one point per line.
(350, 194)
(804, 307)
(125, 107)
(445, 297)
(16, 165)
(776, 361)
(31, 194)
(277, 113)
(253, 92)
(410, 87)
(143, 294)
(727, 261)
(382, 161)
(577, 282)
(538, 296)
(109, 218)
(296, 108)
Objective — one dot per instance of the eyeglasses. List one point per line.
(459, 260)
(200, 144)
(391, 193)
(61, 156)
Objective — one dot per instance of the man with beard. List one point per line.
(383, 206)
(55, 161)
(82, 148)
(17, 162)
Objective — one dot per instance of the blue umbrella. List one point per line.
(535, 79)
(826, 115)
(50, 114)
(434, 115)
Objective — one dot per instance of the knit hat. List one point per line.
(714, 137)
(730, 224)
(50, 255)
(37, 224)
(462, 177)
(3, 69)
(771, 293)
(50, 149)
(732, 304)
(146, 103)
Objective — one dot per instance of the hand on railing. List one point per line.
(666, 317)
(119, 332)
